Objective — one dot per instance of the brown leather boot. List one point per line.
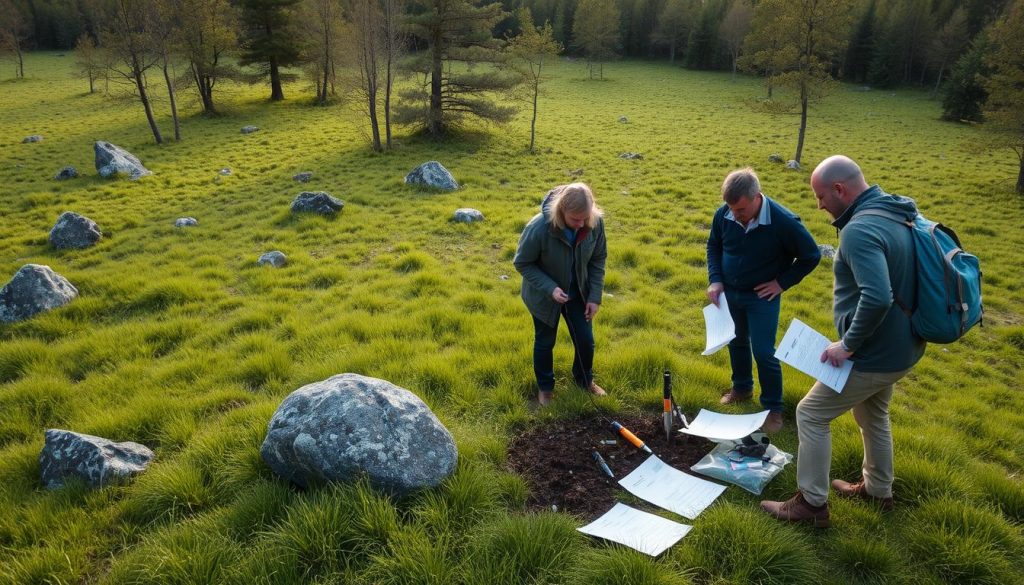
(796, 509)
(734, 396)
(545, 398)
(773, 423)
(857, 490)
(596, 390)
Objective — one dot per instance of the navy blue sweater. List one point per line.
(783, 251)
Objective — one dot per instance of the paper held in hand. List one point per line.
(636, 529)
(719, 326)
(802, 347)
(724, 427)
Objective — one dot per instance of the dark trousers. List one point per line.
(582, 333)
(757, 321)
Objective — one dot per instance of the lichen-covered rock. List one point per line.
(68, 172)
(467, 215)
(95, 460)
(182, 222)
(792, 165)
(348, 426)
(112, 159)
(432, 174)
(74, 231)
(35, 288)
(827, 251)
(775, 158)
(316, 202)
(275, 259)
(632, 156)
(32, 138)
(303, 177)
(250, 129)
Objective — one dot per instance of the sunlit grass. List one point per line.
(180, 342)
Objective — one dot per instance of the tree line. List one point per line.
(461, 54)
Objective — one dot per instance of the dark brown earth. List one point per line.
(557, 462)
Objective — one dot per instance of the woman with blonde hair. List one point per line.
(561, 257)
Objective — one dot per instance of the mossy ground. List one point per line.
(179, 341)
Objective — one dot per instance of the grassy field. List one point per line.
(180, 342)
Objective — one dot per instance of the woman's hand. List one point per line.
(559, 296)
(590, 311)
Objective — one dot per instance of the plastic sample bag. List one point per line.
(728, 463)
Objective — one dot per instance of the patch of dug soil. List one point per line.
(557, 462)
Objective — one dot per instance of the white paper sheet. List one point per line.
(637, 529)
(801, 348)
(724, 427)
(669, 488)
(719, 326)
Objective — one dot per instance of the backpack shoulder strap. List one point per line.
(907, 310)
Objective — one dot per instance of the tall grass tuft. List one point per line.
(867, 559)
(19, 356)
(522, 549)
(414, 558)
(617, 565)
(191, 552)
(462, 500)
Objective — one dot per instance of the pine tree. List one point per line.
(862, 47)
(269, 39)
(965, 92)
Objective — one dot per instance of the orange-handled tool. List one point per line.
(626, 434)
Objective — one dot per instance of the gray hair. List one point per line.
(740, 183)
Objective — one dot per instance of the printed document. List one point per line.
(639, 530)
(669, 488)
(719, 326)
(724, 427)
(801, 348)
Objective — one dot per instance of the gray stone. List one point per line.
(316, 202)
(576, 172)
(250, 129)
(74, 231)
(33, 138)
(503, 277)
(827, 251)
(95, 460)
(623, 120)
(112, 159)
(68, 172)
(182, 222)
(303, 177)
(225, 172)
(32, 290)
(467, 215)
(432, 174)
(275, 259)
(775, 158)
(793, 165)
(632, 156)
(350, 425)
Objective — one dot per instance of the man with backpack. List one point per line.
(874, 266)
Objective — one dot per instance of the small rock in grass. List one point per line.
(576, 172)
(95, 460)
(182, 222)
(793, 165)
(74, 231)
(432, 174)
(827, 251)
(33, 289)
(775, 158)
(275, 259)
(631, 156)
(623, 120)
(316, 202)
(303, 177)
(250, 129)
(467, 215)
(68, 172)
(503, 277)
(225, 172)
(33, 138)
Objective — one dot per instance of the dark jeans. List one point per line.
(582, 333)
(756, 320)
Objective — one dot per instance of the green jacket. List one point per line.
(874, 264)
(545, 258)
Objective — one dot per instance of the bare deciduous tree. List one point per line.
(734, 29)
(596, 32)
(530, 53)
(14, 30)
(127, 37)
(90, 60)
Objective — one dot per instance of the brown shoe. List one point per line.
(596, 390)
(545, 398)
(773, 423)
(857, 490)
(796, 509)
(734, 396)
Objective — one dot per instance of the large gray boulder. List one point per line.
(95, 460)
(432, 174)
(112, 159)
(34, 289)
(350, 425)
(316, 202)
(74, 231)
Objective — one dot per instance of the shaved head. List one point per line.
(837, 181)
(837, 169)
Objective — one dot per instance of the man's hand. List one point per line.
(835, 354)
(714, 290)
(559, 296)
(768, 290)
(590, 311)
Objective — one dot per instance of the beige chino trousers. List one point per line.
(868, 395)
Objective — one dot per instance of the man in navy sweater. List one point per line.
(756, 249)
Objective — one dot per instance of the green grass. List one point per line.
(180, 342)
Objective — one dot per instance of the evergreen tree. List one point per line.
(703, 49)
(459, 37)
(673, 28)
(965, 92)
(269, 39)
(862, 47)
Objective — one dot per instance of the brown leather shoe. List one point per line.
(734, 396)
(857, 490)
(773, 423)
(545, 398)
(596, 390)
(796, 509)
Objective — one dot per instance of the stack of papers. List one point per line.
(719, 326)
(802, 347)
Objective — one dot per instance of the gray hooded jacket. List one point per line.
(545, 259)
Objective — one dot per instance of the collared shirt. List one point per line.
(763, 218)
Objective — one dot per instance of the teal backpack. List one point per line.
(948, 299)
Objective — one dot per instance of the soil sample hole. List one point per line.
(557, 462)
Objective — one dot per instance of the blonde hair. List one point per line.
(740, 183)
(573, 198)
